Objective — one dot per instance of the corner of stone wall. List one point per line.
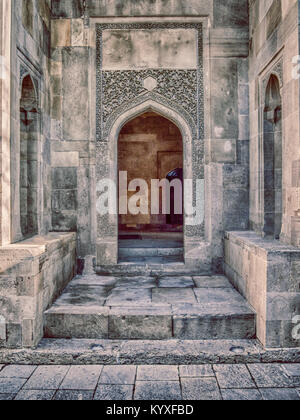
(267, 274)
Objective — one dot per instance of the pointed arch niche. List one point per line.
(29, 128)
(272, 160)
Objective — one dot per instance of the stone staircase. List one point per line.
(150, 308)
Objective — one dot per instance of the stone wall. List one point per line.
(33, 273)
(266, 273)
(273, 45)
(30, 55)
(5, 100)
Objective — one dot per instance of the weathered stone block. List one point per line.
(64, 178)
(107, 253)
(76, 324)
(274, 17)
(60, 33)
(75, 91)
(233, 14)
(65, 159)
(141, 323)
(67, 8)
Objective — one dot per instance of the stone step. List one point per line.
(147, 308)
(150, 252)
(155, 266)
(140, 352)
(150, 352)
(161, 323)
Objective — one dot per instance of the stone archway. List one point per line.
(107, 166)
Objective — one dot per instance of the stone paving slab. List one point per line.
(17, 371)
(11, 385)
(63, 395)
(200, 389)
(47, 378)
(157, 373)
(271, 394)
(270, 376)
(233, 376)
(293, 370)
(218, 296)
(114, 393)
(129, 297)
(208, 310)
(160, 391)
(81, 377)
(206, 282)
(7, 397)
(35, 395)
(95, 280)
(118, 375)
(82, 296)
(241, 395)
(176, 282)
(136, 282)
(173, 296)
(196, 371)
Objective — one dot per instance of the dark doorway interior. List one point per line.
(150, 147)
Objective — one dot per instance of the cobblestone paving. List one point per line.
(201, 382)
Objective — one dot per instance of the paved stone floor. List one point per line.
(201, 382)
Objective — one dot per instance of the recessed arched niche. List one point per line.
(272, 160)
(29, 126)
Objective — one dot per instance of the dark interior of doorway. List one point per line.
(150, 147)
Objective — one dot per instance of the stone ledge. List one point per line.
(169, 352)
(32, 275)
(32, 248)
(262, 247)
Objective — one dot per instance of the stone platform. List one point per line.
(150, 308)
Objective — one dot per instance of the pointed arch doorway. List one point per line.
(150, 147)
(107, 225)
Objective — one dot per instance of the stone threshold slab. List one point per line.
(152, 270)
(150, 252)
(168, 352)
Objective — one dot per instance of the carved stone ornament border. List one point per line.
(181, 90)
